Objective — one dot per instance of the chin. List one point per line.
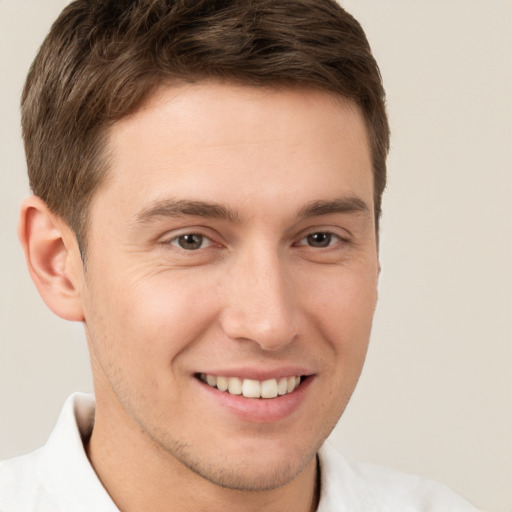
(249, 470)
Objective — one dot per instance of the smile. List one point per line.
(249, 388)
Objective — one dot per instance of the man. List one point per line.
(207, 182)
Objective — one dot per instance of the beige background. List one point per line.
(436, 395)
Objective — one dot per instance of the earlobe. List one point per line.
(52, 257)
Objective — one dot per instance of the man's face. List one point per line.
(233, 243)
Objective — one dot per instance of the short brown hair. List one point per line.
(103, 58)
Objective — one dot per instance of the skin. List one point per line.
(256, 295)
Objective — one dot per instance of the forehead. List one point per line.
(227, 142)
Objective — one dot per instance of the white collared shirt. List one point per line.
(59, 478)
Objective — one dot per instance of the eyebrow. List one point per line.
(180, 208)
(185, 207)
(351, 204)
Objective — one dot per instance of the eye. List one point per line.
(320, 239)
(191, 241)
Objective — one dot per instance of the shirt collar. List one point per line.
(65, 469)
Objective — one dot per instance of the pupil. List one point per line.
(319, 239)
(190, 241)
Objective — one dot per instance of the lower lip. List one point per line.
(259, 410)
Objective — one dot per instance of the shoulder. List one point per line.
(347, 485)
(21, 485)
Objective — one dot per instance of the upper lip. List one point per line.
(260, 374)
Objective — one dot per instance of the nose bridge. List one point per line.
(259, 300)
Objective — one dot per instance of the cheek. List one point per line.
(174, 307)
(346, 319)
(137, 333)
(345, 299)
(156, 317)
(343, 311)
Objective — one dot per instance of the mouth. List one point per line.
(250, 388)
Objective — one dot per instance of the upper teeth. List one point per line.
(252, 388)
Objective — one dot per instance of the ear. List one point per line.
(53, 258)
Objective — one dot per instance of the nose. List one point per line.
(259, 301)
